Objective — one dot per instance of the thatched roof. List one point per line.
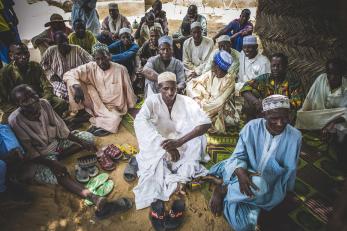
(307, 31)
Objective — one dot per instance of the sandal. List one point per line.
(157, 215)
(102, 191)
(81, 174)
(101, 132)
(97, 181)
(93, 171)
(175, 217)
(110, 208)
(87, 161)
(129, 149)
(92, 129)
(113, 152)
(130, 171)
(105, 161)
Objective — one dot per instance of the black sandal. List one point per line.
(130, 171)
(175, 217)
(101, 132)
(157, 215)
(110, 208)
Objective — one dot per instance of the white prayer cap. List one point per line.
(195, 24)
(250, 40)
(124, 30)
(275, 101)
(165, 39)
(223, 38)
(166, 76)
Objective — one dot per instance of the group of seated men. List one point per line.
(82, 73)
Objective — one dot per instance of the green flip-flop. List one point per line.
(97, 181)
(102, 190)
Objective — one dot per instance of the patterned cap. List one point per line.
(98, 47)
(195, 24)
(124, 30)
(250, 40)
(275, 101)
(223, 60)
(223, 38)
(166, 76)
(165, 39)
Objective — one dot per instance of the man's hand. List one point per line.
(55, 78)
(245, 182)
(258, 105)
(175, 155)
(171, 144)
(79, 95)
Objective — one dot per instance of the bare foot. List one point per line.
(216, 201)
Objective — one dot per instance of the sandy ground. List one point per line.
(56, 209)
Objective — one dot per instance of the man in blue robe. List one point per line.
(262, 168)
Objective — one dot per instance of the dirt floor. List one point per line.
(56, 209)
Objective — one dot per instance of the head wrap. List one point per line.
(195, 24)
(165, 39)
(250, 40)
(124, 30)
(98, 47)
(166, 76)
(275, 101)
(223, 60)
(55, 18)
(223, 38)
(113, 6)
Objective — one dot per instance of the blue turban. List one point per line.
(223, 60)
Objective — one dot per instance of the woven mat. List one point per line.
(308, 208)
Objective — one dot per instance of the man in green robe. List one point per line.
(23, 71)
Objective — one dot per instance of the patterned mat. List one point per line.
(308, 208)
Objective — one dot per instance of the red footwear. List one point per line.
(113, 152)
(105, 161)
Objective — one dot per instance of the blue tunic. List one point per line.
(274, 157)
(124, 56)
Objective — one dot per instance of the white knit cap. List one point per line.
(250, 40)
(166, 76)
(275, 101)
(195, 24)
(165, 39)
(124, 30)
(223, 38)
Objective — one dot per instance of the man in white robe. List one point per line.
(196, 51)
(103, 88)
(261, 169)
(325, 107)
(169, 129)
(252, 63)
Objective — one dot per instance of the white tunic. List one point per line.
(158, 176)
(251, 68)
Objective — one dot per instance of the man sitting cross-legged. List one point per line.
(261, 169)
(162, 63)
(325, 107)
(214, 92)
(169, 129)
(103, 88)
(45, 139)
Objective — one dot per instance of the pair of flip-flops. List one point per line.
(170, 221)
(98, 131)
(86, 168)
(108, 156)
(100, 185)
